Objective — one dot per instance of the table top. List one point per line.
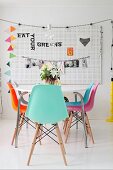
(65, 88)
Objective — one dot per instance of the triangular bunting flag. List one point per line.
(12, 55)
(8, 73)
(12, 28)
(12, 37)
(8, 64)
(8, 39)
(11, 47)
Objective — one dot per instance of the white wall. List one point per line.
(60, 13)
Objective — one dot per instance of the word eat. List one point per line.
(23, 35)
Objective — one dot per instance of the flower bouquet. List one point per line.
(50, 73)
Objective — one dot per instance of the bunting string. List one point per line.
(82, 25)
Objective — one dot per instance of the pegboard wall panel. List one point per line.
(77, 49)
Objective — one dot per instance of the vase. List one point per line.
(48, 81)
(52, 81)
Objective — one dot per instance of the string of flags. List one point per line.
(11, 29)
(10, 49)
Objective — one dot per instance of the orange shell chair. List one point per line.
(23, 108)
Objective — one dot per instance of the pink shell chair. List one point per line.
(84, 118)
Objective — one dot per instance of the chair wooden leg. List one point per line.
(40, 134)
(61, 139)
(65, 124)
(68, 126)
(61, 144)
(13, 138)
(83, 115)
(88, 127)
(14, 134)
(21, 123)
(76, 114)
(33, 144)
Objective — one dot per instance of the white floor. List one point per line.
(48, 155)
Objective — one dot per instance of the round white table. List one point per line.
(65, 88)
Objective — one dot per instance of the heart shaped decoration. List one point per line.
(84, 41)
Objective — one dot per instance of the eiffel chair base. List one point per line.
(71, 123)
(22, 121)
(46, 133)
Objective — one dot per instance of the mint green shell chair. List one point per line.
(47, 106)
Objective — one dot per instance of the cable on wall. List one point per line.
(82, 25)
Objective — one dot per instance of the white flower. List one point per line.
(54, 72)
(49, 71)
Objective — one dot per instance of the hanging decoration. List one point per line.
(10, 39)
(84, 41)
(11, 47)
(84, 63)
(49, 34)
(70, 51)
(8, 73)
(61, 64)
(11, 55)
(10, 29)
(8, 64)
(72, 63)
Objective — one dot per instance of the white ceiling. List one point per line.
(55, 2)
